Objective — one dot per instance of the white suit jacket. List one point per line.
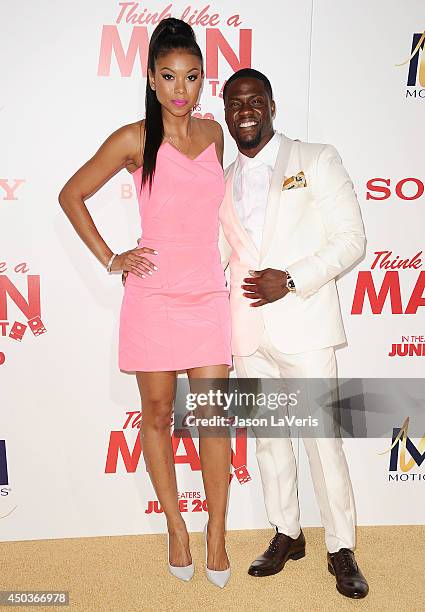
(315, 232)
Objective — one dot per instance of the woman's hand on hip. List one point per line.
(135, 262)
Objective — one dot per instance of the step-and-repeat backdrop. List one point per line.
(351, 74)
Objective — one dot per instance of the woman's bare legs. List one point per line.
(214, 452)
(157, 392)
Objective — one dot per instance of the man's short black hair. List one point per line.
(249, 73)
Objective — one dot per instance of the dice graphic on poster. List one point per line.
(18, 330)
(36, 326)
(242, 474)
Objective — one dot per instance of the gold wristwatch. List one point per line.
(290, 285)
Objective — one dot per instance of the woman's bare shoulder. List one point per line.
(133, 133)
(212, 132)
(209, 128)
(128, 135)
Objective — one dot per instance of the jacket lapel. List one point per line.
(275, 192)
(232, 215)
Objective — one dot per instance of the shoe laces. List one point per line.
(273, 544)
(346, 561)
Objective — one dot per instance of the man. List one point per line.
(291, 224)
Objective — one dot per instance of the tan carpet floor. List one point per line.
(129, 574)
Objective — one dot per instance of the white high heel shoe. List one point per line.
(218, 577)
(182, 573)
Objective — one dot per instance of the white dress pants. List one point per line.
(276, 458)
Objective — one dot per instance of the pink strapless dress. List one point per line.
(179, 317)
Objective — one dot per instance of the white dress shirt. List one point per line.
(251, 187)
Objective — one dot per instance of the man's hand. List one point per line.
(265, 286)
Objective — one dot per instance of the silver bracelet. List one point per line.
(108, 267)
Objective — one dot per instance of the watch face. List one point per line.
(290, 284)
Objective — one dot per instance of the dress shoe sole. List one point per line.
(346, 594)
(258, 573)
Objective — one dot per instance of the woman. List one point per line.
(175, 312)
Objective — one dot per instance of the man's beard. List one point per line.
(250, 144)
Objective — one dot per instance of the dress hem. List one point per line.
(179, 369)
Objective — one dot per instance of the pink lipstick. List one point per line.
(179, 102)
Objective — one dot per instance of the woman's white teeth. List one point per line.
(247, 124)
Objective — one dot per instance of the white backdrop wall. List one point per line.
(70, 464)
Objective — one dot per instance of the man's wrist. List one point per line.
(290, 284)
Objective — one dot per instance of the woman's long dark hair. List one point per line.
(170, 34)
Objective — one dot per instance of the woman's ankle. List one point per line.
(216, 527)
(176, 525)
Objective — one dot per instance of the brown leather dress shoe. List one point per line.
(281, 548)
(349, 579)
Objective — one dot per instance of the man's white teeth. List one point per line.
(247, 124)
